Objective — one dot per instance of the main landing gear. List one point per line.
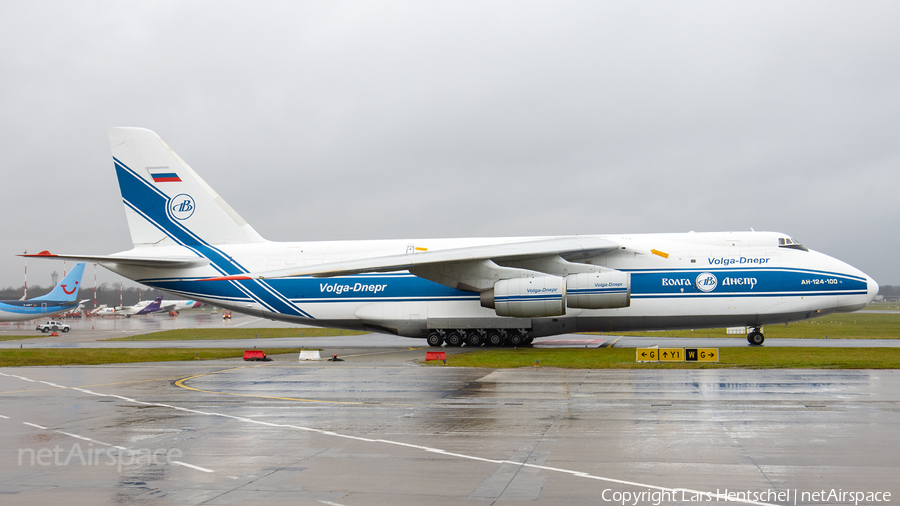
(479, 337)
(755, 337)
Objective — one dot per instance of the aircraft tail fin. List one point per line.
(153, 306)
(166, 202)
(67, 289)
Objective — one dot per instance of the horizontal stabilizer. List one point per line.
(565, 247)
(171, 262)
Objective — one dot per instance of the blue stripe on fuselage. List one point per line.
(747, 282)
(360, 288)
(36, 308)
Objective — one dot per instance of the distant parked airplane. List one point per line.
(63, 298)
(145, 307)
(179, 305)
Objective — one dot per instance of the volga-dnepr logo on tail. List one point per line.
(182, 206)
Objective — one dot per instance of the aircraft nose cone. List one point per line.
(873, 288)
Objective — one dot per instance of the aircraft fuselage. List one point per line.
(689, 280)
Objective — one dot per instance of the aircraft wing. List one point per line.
(170, 262)
(567, 247)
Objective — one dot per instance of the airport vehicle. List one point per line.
(62, 298)
(52, 325)
(226, 315)
(189, 241)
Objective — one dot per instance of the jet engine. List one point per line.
(598, 290)
(527, 297)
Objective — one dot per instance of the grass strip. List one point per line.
(833, 326)
(624, 358)
(226, 333)
(17, 338)
(94, 356)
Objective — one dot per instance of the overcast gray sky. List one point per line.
(344, 120)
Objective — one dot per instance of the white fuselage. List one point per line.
(688, 280)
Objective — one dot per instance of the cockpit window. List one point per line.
(787, 242)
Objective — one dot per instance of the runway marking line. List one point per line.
(192, 466)
(570, 472)
(610, 345)
(60, 387)
(90, 440)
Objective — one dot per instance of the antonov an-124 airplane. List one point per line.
(189, 241)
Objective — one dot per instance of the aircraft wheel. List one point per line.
(473, 338)
(495, 338)
(756, 338)
(435, 339)
(454, 339)
(54, 329)
(516, 339)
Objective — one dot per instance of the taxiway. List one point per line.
(380, 428)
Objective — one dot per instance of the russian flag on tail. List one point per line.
(163, 175)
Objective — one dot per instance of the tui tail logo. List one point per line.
(69, 292)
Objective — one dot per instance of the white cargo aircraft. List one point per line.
(188, 241)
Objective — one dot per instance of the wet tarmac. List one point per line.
(381, 428)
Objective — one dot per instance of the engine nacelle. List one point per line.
(599, 290)
(527, 297)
